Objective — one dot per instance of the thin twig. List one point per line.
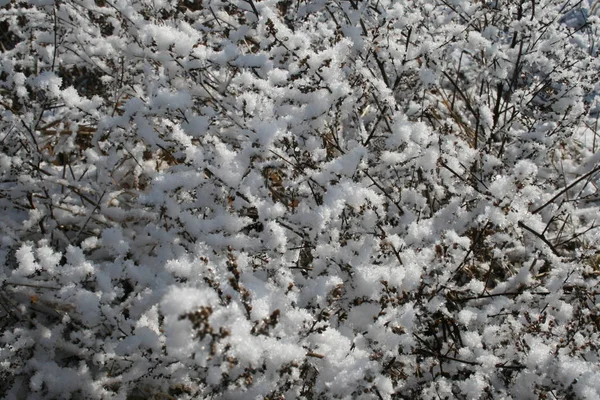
(566, 189)
(31, 285)
(541, 237)
(253, 8)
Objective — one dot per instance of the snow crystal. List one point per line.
(48, 259)
(474, 386)
(407, 316)
(49, 81)
(279, 353)
(57, 380)
(88, 305)
(71, 97)
(78, 267)
(179, 337)
(26, 260)
(486, 116)
(385, 386)
(214, 376)
(363, 315)
(539, 353)
(181, 300)
(428, 77)
(180, 267)
(196, 126)
(166, 36)
(472, 339)
(525, 170)
(465, 316)
(5, 163)
(113, 239)
(278, 76)
(564, 312)
(172, 100)
(502, 186)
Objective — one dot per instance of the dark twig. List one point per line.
(541, 237)
(254, 10)
(566, 189)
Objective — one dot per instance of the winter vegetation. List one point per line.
(312, 199)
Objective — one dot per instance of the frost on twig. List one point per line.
(299, 199)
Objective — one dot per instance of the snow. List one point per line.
(474, 386)
(208, 201)
(539, 353)
(178, 301)
(26, 260)
(113, 239)
(166, 36)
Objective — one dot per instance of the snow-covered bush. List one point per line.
(299, 199)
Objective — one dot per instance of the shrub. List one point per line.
(299, 199)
